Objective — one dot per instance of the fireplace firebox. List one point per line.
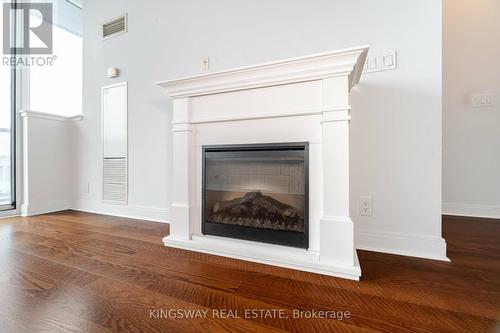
(257, 192)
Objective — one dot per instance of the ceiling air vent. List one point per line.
(114, 27)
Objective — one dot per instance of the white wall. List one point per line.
(471, 156)
(46, 150)
(396, 118)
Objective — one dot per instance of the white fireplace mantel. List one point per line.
(304, 99)
(312, 67)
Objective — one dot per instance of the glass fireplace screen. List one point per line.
(256, 192)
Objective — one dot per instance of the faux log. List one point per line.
(222, 206)
(256, 204)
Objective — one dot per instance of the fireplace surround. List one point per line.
(257, 192)
(304, 99)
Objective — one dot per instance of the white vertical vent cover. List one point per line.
(114, 143)
(115, 180)
(114, 27)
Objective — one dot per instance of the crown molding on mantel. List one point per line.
(48, 116)
(307, 68)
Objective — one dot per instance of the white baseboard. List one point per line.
(460, 209)
(133, 212)
(420, 246)
(44, 207)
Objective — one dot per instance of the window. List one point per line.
(6, 134)
(57, 89)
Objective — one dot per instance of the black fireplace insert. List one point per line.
(257, 192)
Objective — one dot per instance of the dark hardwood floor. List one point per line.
(79, 272)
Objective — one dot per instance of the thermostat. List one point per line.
(113, 72)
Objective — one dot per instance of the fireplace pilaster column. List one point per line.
(182, 152)
(336, 230)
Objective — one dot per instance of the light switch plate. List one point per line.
(482, 100)
(379, 62)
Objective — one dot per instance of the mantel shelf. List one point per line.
(346, 62)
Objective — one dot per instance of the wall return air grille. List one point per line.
(114, 27)
(114, 143)
(115, 180)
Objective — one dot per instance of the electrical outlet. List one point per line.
(205, 64)
(365, 206)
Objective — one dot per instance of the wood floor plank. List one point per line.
(25, 286)
(131, 301)
(79, 255)
(72, 271)
(396, 290)
(144, 279)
